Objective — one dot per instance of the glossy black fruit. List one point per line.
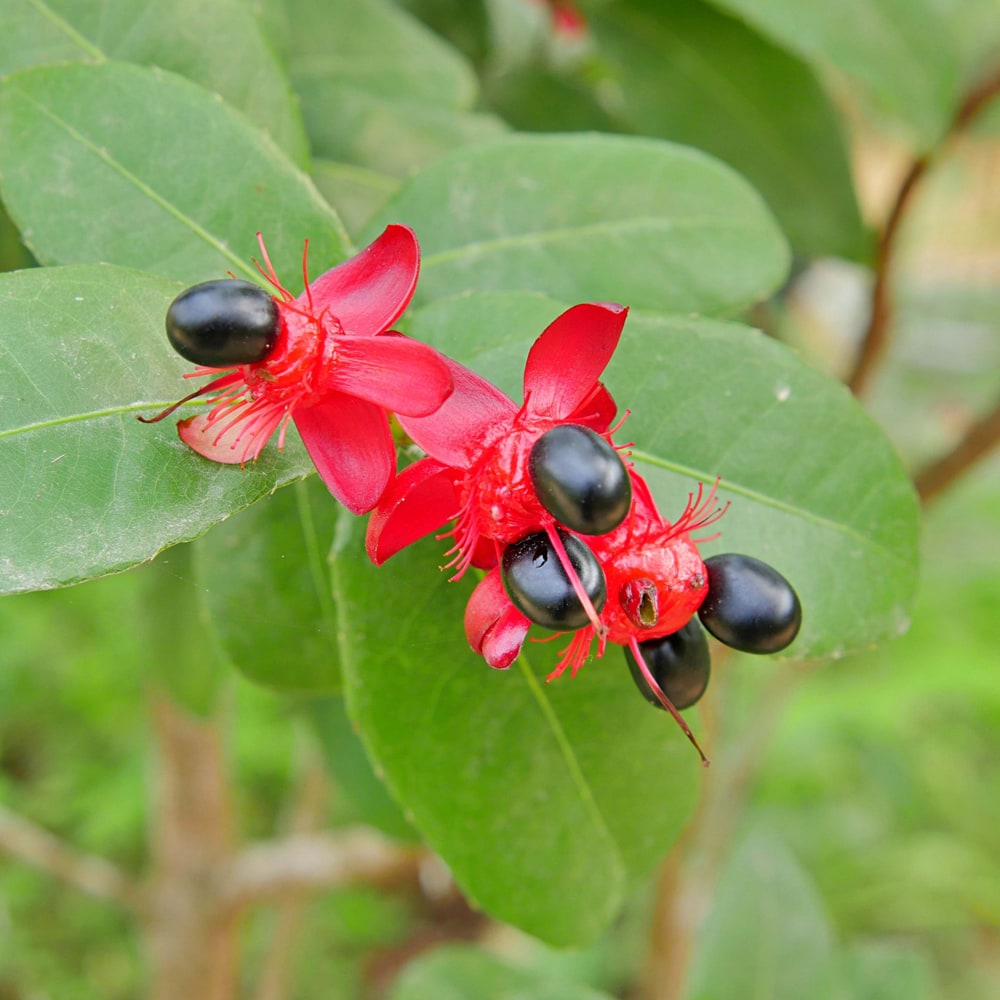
(749, 605)
(679, 663)
(223, 323)
(538, 585)
(580, 479)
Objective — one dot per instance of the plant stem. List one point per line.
(93, 875)
(876, 336)
(980, 438)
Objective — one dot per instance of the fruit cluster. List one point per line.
(535, 496)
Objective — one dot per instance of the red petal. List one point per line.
(454, 434)
(393, 371)
(200, 436)
(369, 292)
(493, 626)
(421, 499)
(350, 444)
(596, 411)
(566, 361)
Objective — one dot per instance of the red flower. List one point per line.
(335, 369)
(656, 581)
(478, 444)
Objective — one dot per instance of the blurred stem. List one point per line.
(305, 815)
(32, 844)
(877, 335)
(978, 441)
(192, 944)
(688, 877)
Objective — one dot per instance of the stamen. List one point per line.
(269, 275)
(633, 645)
(700, 512)
(305, 275)
(574, 655)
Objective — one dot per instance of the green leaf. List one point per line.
(815, 488)
(345, 757)
(591, 218)
(878, 971)
(265, 584)
(86, 184)
(902, 54)
(217, 45)
(393, 136)
(356, 193)
(85, 489)
(688, 73)
(538, 797)
(374, 46)
(766, 934)
(465, 973)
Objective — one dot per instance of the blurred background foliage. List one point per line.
(866, 807)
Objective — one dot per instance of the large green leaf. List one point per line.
(815, 488)
(377, 87)
(264, 582)
(685, 72)
(85, 489)
(767, 934)
(545, 801)
(395, 136)
(92, 168)
(374, 46)
(903, 54)
(215, 44)
(464, 973)
(592, 218)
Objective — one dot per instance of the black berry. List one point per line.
(538, 585)
(679, 663)
(749, 605)
(223, 323)
(580, 479)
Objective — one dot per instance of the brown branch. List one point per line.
(981, 438)
(93, 875)
(876, 337)
(306, 862)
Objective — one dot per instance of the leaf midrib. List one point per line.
(768, 501)
(617, 226)
(141, 186)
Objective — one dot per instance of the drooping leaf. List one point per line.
(345, 757)
(591, 218)
(465, 973)
(545, 801)
(372, 45)
(815, 488)
(766, 934)
(217, 45)
(685, 72)
(395, 136)
(356, 193)
(265, 584)
(378, 89)
(85, 489)
(902, 54)
(86, 184)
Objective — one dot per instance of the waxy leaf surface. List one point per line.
(91, 168)
(592, 218)
(691, 74)
(546, 801)
(217, 45)
(816, 490)
(85, 489)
